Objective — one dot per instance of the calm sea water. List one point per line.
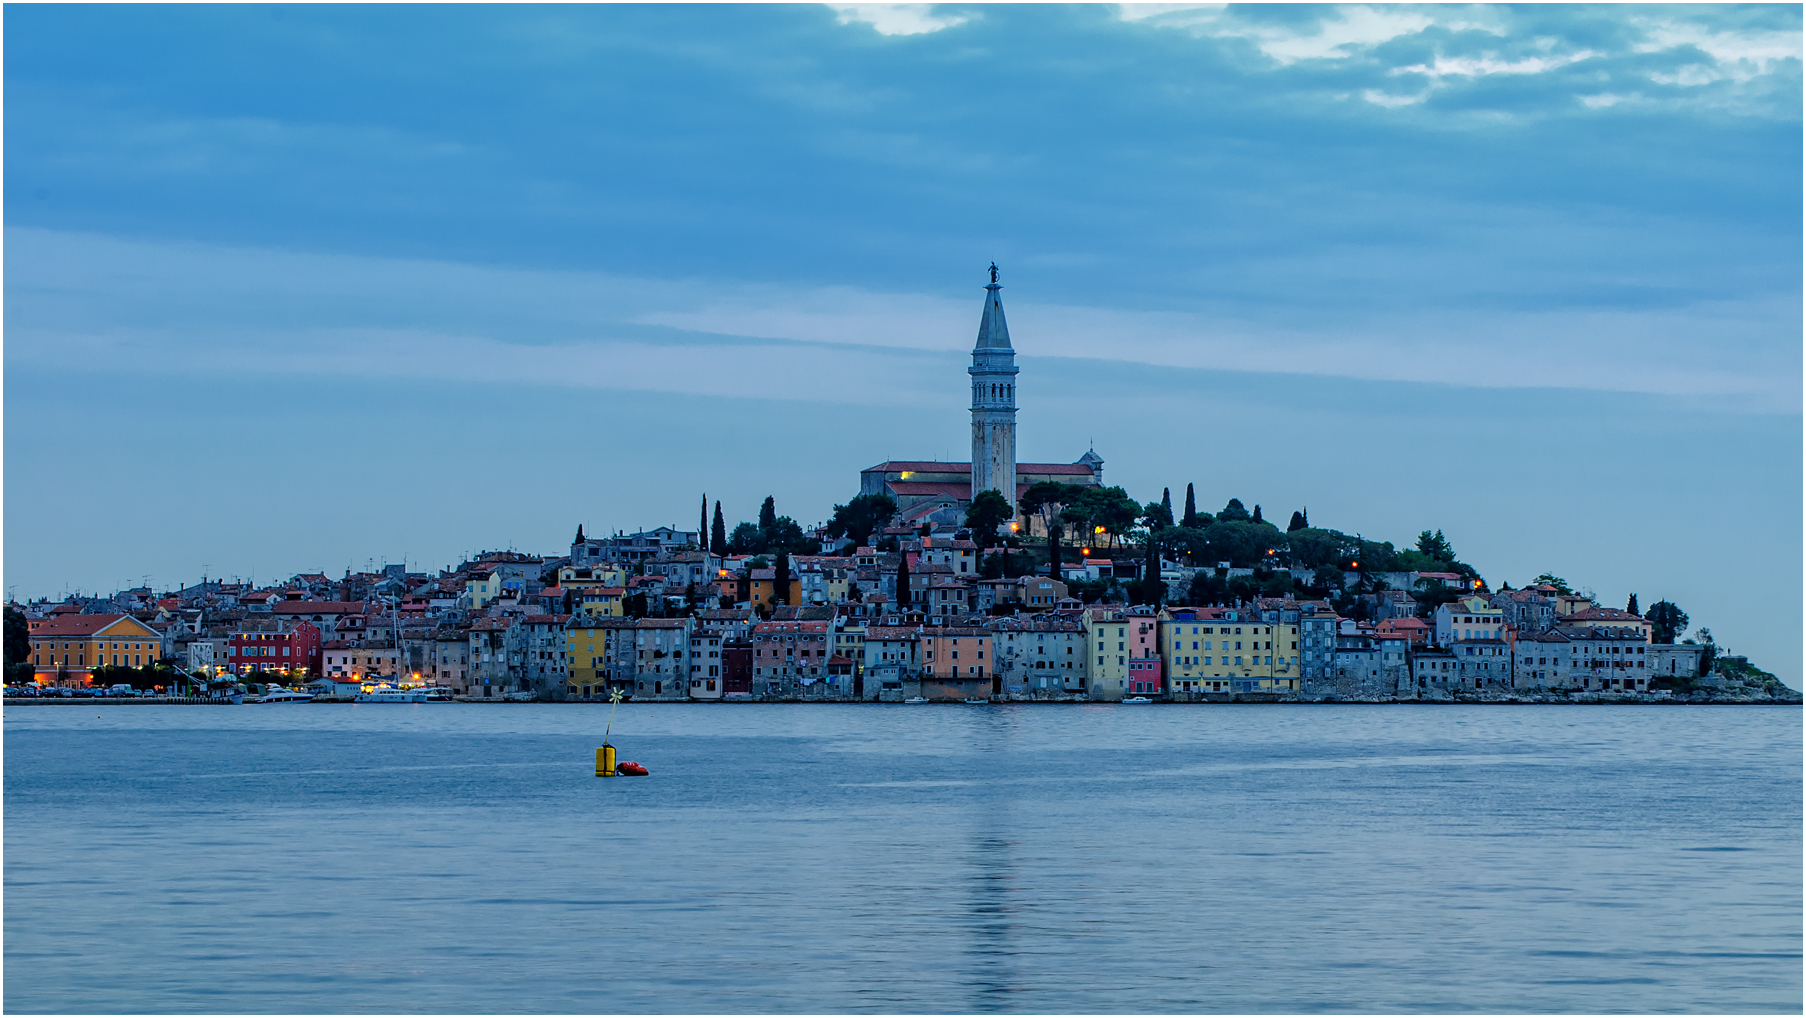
(452, 857)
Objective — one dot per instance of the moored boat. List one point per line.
(916, 699)
(388, 694)
(1137, 699)
(277, 694)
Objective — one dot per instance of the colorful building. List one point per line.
(66, 648)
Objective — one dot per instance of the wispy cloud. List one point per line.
(897, 19)
(79, 300)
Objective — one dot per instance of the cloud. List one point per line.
(897, 19)
(76, 301)
(1684, 53)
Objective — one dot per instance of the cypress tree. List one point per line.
(902, 578)
(718, 533)
(1257, 518)
(1166, 499)
(1632, 606)
(768, 515)
(702, 524)
(1297, 522)
(1191, 508)
(780, 580)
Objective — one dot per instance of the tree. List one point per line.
(1631, 606)
(1166, 500)
(16, 651)
(903, 579)
(786, 535)
(1233, 512)
(718, 533)
(1257, 518)
(768, 514)
(1115, 511)
(1550, 579)
(780, 580)
(1669, 622)
(1048, 500)
(1436, 546)
(988, 511)
(747, 539)
(857, 519)
(702, 527)
(1190, 519)
(1298, 523)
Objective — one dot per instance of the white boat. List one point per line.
(438, 694)
(1137, 699)
(973, 700)
(916, 699)
(277, 694)
(383, 694)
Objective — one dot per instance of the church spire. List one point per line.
(993, 331)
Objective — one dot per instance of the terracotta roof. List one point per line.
(319, 608)
(77, 625)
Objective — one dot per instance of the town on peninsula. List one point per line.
(980, 581)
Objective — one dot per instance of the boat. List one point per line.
(916, 699)
(631, 769)
(387, 694)
(976, 700)
(438, 694)
(277, 694)
(1137, 699)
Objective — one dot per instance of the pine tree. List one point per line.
(1632, 606)
(718, 533)
(1191, 508)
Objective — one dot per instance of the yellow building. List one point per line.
(764, 582)
(1227, 650)
(1114, 639)
(602, 601)
(483, 587)
(587, 656)
(583, 577)
(65, 650)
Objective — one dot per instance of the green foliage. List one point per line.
(1166, 499)
(1234, 512)
(1435, 546)
(988, 511)
(903, 580)
(17, 648)
(780, 581)
(1560, 585)
(993, 567)
(1190, 519)
(1157, 516)
(857, 519)
(1298, 523)
(1631, 606)
(768, 513)
(1243, 543)
(718, 533)
(748, 539)
(1112, 509)
(1207, 588)
(1668, 622)
(1257, 518)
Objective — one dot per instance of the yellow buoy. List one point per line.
(605, 762)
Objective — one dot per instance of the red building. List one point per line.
(736, 668)
(1144, 675)
(263, 646)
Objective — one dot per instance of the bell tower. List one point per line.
(993, 374)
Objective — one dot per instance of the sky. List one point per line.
(296, 288)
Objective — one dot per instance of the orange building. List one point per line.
(956, 663)
(65, 650)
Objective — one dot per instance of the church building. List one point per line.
(917, 483)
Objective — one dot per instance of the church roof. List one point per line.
(993, 331)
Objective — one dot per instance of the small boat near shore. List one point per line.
(975, 700)
(916, 699)
(384, 694)
(277, 694)
(1137, 699)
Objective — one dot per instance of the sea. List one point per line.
(902, 858)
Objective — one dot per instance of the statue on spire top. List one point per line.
(993, 272)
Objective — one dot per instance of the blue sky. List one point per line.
(342, 284)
